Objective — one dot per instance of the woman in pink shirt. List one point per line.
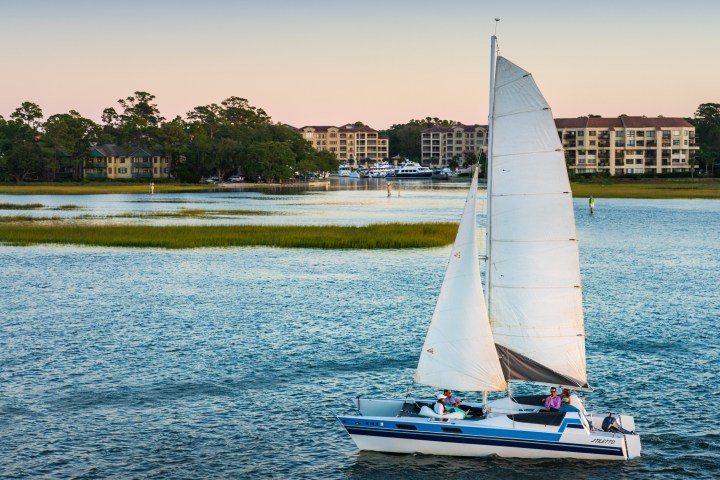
(552, 403)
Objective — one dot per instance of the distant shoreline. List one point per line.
(706, 188)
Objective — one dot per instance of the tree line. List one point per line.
(216, 139)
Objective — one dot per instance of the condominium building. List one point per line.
(442, 144)
(112, 161)
(627, 145)
(350, 143)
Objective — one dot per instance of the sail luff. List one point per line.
(488, 165)
(459, 350)
(534, 293)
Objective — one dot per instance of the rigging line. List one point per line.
(536, 241)
(521, 112)
(532, 287)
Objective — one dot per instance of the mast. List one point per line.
(488, 170)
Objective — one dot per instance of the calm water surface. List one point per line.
(232, 363)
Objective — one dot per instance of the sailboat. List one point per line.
(526, 325)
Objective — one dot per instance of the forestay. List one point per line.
(535, 296)
(459, 351)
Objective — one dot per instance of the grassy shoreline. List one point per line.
(651, 189)
(378, 236)
(608, 188)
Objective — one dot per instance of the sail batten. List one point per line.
(535, 306)
(459, 350)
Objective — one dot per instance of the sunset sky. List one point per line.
(319, 62)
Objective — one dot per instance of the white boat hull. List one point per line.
(498, 434)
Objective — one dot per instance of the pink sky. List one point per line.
(321, 62)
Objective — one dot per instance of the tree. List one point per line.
(139, 120)
(404, 138)
(270, 160)
(707, 125)
(21, 156)
(171, 138)
(69, 137)
(30, 114)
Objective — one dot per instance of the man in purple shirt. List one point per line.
(553, 402)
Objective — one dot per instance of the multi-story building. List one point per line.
(112, 161)
(627, 145)
(442, 144)
(350, 143)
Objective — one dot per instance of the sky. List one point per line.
(320, 62)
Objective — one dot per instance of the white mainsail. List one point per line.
(534, 294)
(459, 352)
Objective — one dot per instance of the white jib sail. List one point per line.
(459, 351)
(535, 292)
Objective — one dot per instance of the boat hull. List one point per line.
(406, 176)
(487, 437)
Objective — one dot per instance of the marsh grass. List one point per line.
(379, 236)
(94, 188)
(659, 189)
(193, 213)
(20, 206)
(67, 207)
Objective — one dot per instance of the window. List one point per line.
(164, 170)
(631, 143)
(687, 133)
(676, 142)
(592, 143)
(650, 134)
(686, 142)
(592, 133)
(109, 170)
(581, 143)
(631, 133)
(581, 133)
(122, 170)
(676, 133)
(122, 159)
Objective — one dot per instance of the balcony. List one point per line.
(569, 136)
(602, 144)
(141, 165)
(95, 165)
(651, 143)
(619, 143)
(570, 145)
(604, 136)
(619, 162)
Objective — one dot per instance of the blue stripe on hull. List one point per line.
(477, 440)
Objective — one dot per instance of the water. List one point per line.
(232, 363)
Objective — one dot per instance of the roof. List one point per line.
(622, 122)
(107, 150)
(113, 150)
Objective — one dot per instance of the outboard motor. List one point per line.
(611, 424)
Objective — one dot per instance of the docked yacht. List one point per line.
(409, 169)
(344, 170)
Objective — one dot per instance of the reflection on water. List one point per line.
(232, 363)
